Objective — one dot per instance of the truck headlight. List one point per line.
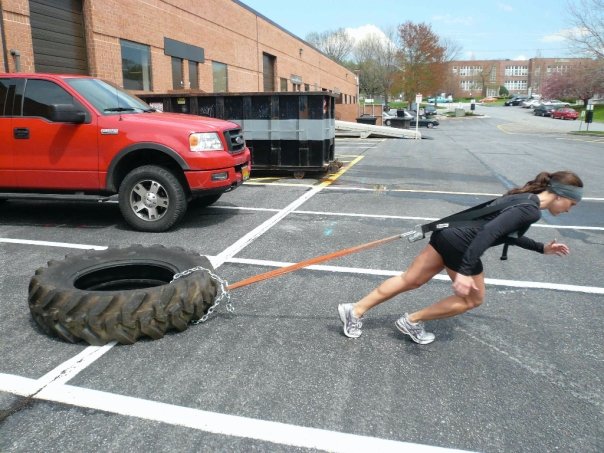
(205, 141)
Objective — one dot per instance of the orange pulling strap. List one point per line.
(315, 260)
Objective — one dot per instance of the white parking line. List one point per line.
(399, 217)
(67, 245)
(390, 273)
(213, 422)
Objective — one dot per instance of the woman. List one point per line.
(458, 251)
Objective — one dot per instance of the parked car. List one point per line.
(556, 103)
(514, 100)
(429, 110)
(425, 122)
(565, 113)
(530, 103)
(543, 110)
(387, 115)
(440, 100)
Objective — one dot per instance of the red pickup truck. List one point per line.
(80, 138)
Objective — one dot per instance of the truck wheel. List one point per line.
(152, 199)
(120, 294)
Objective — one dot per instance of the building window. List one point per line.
(177, 76)
(136, 66)
(516, 70)
(306, 87)
(221, 79)
(193, 75)
(516, 85)
(283, 86)
(466, 85)
(466, 71)
(558, 68)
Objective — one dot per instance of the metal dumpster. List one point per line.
(285, 131)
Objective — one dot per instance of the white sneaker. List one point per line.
(352, 324)
(415, 331)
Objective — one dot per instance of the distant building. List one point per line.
(477, 78)
(164, 46)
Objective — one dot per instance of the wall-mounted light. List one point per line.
(17, 57)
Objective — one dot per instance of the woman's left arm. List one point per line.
(555, 248)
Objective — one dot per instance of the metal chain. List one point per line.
(222, 294)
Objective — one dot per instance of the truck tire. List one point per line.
(120, 294)
(152, 199)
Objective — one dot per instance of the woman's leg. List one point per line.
(452, 305)
(425, 266)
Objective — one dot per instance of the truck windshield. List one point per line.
(108, 99)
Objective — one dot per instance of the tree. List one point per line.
(422, 59)
(588, 18)
(583, 82)
(376, 58)
(482, 80)
(336, 44)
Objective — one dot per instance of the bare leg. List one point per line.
(452, 305)
(425, 266)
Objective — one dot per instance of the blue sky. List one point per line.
(483, 29)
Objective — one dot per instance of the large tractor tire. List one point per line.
(120, 294)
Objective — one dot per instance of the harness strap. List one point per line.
(473, 218)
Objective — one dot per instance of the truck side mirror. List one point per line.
(67, 113)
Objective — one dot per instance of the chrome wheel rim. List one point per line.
(149, 200)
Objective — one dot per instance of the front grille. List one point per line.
(235, 140)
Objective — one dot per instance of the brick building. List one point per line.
(477, 78)
(161, 46)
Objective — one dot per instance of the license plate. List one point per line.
(245, 172)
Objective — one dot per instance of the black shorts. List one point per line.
(452, 257)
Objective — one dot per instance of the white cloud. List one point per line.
(563, 34)
(556, 37)
(521, 57)
(362, 32)
(505, 7)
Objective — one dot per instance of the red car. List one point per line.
(565, 113)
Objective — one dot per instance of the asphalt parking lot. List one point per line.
(524, 372)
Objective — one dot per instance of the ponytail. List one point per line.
(543, 180)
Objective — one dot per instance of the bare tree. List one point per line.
(587, 16)
(376, 57)
(336, 44)
(452, 49)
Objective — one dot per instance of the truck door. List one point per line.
(7, 176)
(52, 155)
